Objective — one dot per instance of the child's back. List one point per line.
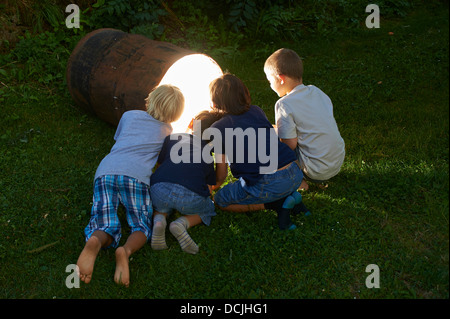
(139, 138)
(306, 113)
(184, 169)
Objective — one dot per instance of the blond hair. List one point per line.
(165, 103)
(285, 62)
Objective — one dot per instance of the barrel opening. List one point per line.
(192, 74)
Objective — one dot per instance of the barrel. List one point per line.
(110, 71)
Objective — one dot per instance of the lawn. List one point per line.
(389, 206)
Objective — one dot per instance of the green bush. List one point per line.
(41, 58)
(139, 16)
(220, 28)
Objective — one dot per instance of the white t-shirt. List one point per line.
(307, 113)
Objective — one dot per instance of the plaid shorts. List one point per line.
(109, 191)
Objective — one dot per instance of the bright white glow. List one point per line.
(192, 74)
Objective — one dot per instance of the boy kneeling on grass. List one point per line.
(123, 176)
(183, 185)
(304, 119)
(274, 189)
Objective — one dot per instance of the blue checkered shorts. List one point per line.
(109, 192)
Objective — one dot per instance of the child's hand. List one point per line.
(214, 187)
(191, 126)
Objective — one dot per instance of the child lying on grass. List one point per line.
(183, 186)
(123, 176)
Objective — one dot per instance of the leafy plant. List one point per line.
(241, 12)
(138, 16)
(38, 15)
(42, 58)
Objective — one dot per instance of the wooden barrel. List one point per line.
(111, 71)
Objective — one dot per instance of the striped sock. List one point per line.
(159, 233)
(178, 228)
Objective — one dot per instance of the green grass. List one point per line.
(388, 206)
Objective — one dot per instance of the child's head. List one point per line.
(204, 120)
(165, 103)
(230, 95)
(284, 65)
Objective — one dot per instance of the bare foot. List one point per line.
(122, 274)
(303, 186)
(87, 258)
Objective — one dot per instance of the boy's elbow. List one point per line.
(291, 142)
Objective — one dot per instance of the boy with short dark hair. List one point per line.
(304, 118)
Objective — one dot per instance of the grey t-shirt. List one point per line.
(139, 138)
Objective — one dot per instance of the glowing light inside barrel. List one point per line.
(192, 74)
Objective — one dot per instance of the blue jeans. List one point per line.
(269, 188)
(167, 197)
